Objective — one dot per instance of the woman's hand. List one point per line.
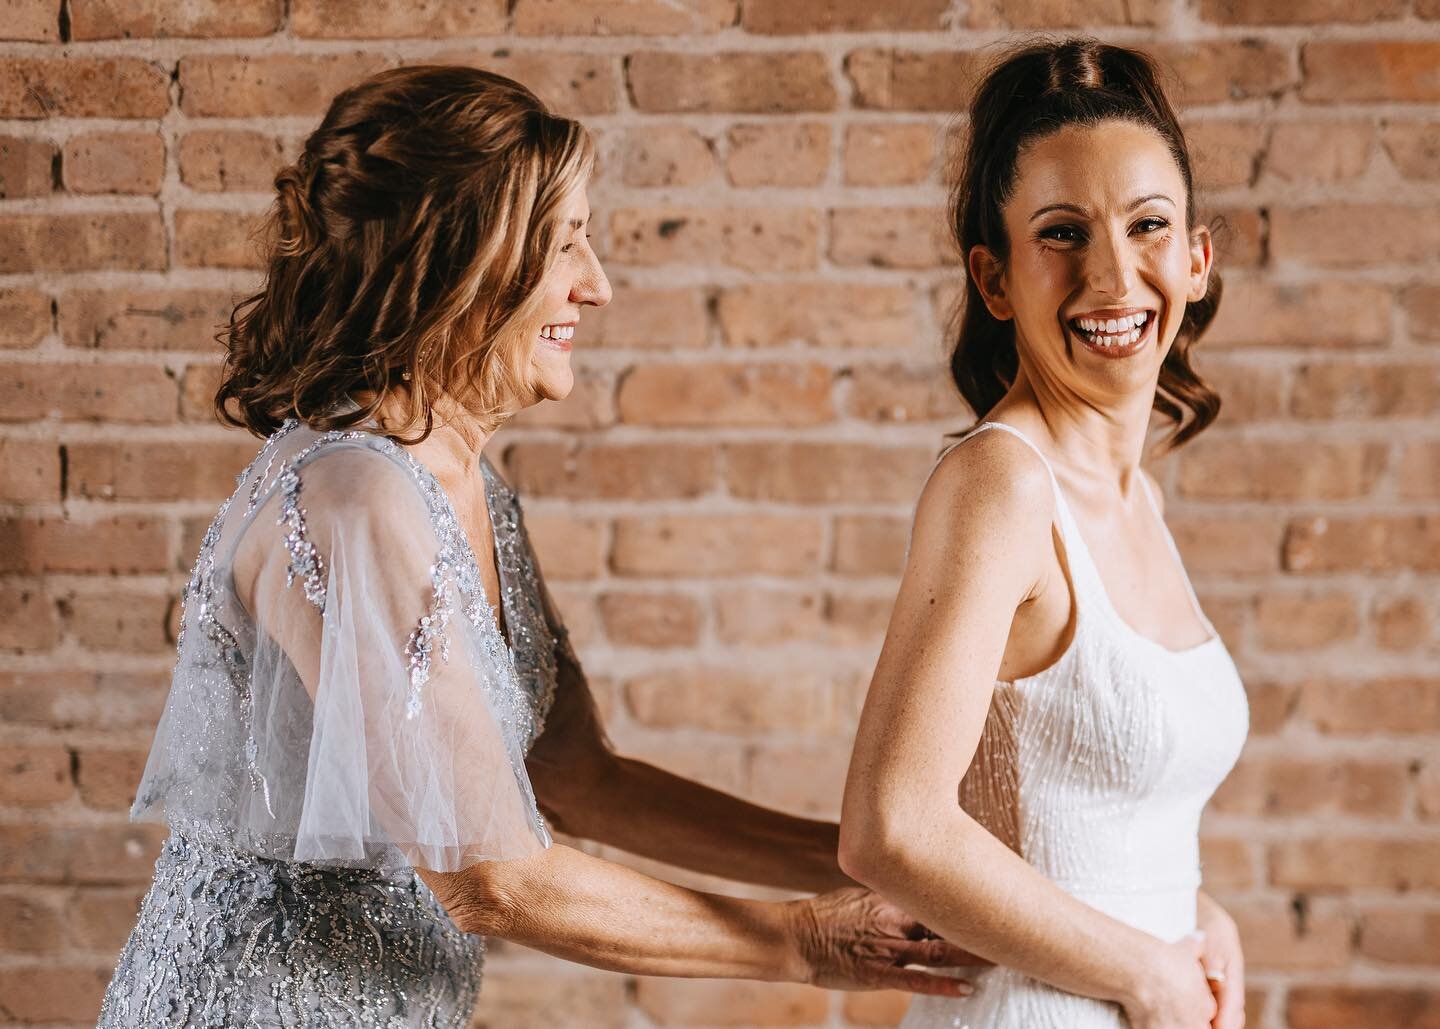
(1174, 993)
(1224, 963)
(852, 939)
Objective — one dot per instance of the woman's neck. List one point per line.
(452, 450)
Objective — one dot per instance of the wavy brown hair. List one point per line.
(1031, 93)
(406, 244)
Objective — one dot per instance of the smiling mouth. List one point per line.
(1113, 337)
(558, 336)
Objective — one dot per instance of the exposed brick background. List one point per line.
(723, 503)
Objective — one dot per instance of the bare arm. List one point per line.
(589, 791)
(980, 551)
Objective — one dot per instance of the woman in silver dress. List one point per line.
(375, 718)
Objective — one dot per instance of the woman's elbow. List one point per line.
(475, 900)
(872, 849)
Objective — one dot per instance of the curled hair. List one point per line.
(406, 243)
(1029, 94)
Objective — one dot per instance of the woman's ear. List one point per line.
(988, 274)
(1201, 257)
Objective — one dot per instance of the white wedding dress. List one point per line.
(1095, 771)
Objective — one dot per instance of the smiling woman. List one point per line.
(1047, 659)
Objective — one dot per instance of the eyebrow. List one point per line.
(1076, 209)
(576, 223)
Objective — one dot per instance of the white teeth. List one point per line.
(558, 332)
(1114, 332)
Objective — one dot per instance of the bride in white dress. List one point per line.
(1047, 658)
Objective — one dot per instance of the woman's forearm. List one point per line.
(650, 812)
(599, 913)
(970, 888)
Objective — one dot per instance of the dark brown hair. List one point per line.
(1031, 93)
(406, 243)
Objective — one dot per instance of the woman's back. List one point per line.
(1095, 771)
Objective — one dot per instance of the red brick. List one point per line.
(611, 471)
(94, 241)
(83, 87)
(1371, 70)
(382, 19)
(632, 18)
(1305, 621)
(518, 998)
(1402, 623)
(87, 392)
(1271, 705)
(713, 1002)
(61, 698)
(770, 82)
(29, 471)
(103, 853)
(1251, 390)
(123, 544)
(1219, 70)
(1274, 785)
(731, 699)
(1427, 791)
(1394, 234)
(1401, 936)
(891, 237)
(876, 1007)
(826, 314)
(215, 160)
(590, 405)
(766, 616)
(1297, 12)
(807, 779)
(54, 992)
(25, 317)
(785, 17)
(120, 621)
(573, 84)
(218, 239)
(1280, 470)
(157, 470)
(109, 776)
(1237, 232)
(1259, 313)
(250, 86)
(99, 918)
(879, 154)
(1228, 544)
(36, 21)
(857, 619)
(1414, 148)
(1419, 471)
(816, 473)
(896, 393)
(1319, 151)
(1373, 544)
(1349, 389)
(26, 167)
(34, 776)
(1276, 938)
(1225, 153)
(1050, 14)
(144, 319)
(751, 239)
(651, 619)
(197, 393)
(665, 319)
(1226, 863)
(1376, 705)
(1338, 861)
(870, 545)
(1427, 8)
(726, 394)
(911, 80)
(778, 154)
(128, 19)
(114, 162)
(717, 545)
(1422, 312)
(28, 621)
(30, 923)
(569, 547)
(666, 155)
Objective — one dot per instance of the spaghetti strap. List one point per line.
(1175, 553)
(1062, 509)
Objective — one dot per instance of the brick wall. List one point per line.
(724, 501)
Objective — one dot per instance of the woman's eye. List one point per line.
(1062, 234)
(1151, 224)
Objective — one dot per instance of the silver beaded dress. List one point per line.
(344, 710)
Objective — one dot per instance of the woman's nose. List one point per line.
(1110, 269)
(593, 287)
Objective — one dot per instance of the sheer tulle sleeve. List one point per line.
(376, 726)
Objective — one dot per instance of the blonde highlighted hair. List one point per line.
(406, 245)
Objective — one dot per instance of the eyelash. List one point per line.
(570, 246)
(1051, 233)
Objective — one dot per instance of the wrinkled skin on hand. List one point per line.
(853, 939)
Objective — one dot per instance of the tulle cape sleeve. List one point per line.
(373, 709)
